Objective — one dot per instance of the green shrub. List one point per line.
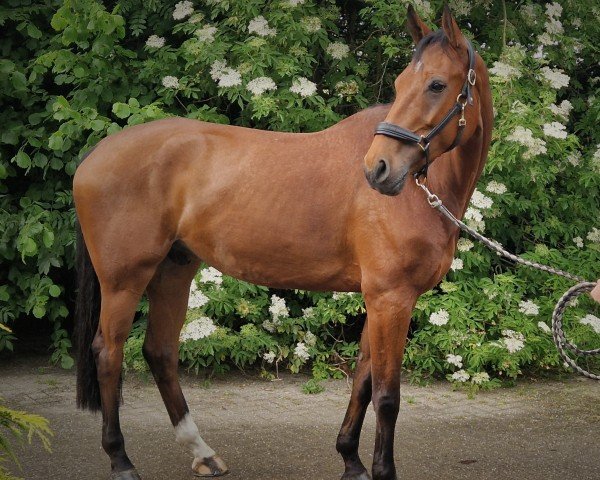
(296, 65)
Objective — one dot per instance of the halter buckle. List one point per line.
(471, 77)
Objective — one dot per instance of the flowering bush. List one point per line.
(300, 65)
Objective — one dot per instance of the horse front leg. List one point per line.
(349, 436)
(389, 315)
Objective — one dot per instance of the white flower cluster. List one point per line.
(308, 312)
(524, 136)
(557, 78)
(474, 219)
(464, 245)
(528, 307)
(479, 200)
(295, 3)
(574, 158)
(182, 10)
(461, 8)
(578, 241)
(278, 308)
(455, 360)
(555, 130)
(196, 298)
(206, 34)
(591, 320)
(346, 88)
(553, 9)
(596, 158)
(504, 71)
(211, 275)
(303, 87)
(439, 318)
(225, 76)
(269, 357)
(594, 235)
(196, 329)
(513, 341)
(301, 351)
(338, 50)
(260, 85)
(312, 24)
(496, 187)
(260, 26)
(460, 376)
(310, 339)
(544, 327)
(170, 82)
(480, 377)
(563, 110)
(155, 41)
(457, 264)
(424, 7)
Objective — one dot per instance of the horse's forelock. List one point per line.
(438, 37)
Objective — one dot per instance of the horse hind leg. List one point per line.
(168, 295)
(116, 317)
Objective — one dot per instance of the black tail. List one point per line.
(87, 317)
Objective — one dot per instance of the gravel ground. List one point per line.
(271, 430)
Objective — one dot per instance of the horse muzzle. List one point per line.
(384, 179)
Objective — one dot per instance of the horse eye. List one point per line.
(437, 87)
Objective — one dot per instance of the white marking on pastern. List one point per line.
(187, 434)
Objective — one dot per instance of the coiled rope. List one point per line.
(558, 334)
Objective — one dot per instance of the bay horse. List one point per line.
(283, 210)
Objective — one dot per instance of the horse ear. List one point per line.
(416, 26)
(451, 28)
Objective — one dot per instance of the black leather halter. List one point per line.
(399, 133)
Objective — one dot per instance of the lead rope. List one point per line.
(558, 334)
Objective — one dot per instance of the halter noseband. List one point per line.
(399, 133)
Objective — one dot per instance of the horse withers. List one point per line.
(282, 210)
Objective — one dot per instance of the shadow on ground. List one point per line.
(271, 431)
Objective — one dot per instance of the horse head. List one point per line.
(436, 106)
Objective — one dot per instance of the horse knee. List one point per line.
(387, 405)
(162, 360)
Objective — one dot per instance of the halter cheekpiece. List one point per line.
(465, 96)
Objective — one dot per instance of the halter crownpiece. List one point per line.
(399, 133)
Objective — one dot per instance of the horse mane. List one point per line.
(432, 38)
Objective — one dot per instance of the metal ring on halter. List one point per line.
(472, 77)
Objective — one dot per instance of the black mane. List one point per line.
(437, 37)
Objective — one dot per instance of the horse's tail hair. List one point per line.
(87, 317)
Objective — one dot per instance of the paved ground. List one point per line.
(270, 430)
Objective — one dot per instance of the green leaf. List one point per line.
(121, 110)
(54, 291)
(67, 362)
(23, 160)
(19, 81)
(33, 31)
(39, 311)
(29, 247)
(48, 238)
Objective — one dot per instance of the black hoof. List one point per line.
(126, 475)
(356, 476)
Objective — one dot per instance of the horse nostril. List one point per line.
(382, 170)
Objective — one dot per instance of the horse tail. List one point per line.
(87, 318)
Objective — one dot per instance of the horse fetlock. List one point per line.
(209, 467)
(346, 445)
(356, 476)
(384, 472)
(130, 474)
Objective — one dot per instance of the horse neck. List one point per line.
(454, 175)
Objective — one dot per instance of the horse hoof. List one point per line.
(210, 467)
(356, 476)
(126, 475)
